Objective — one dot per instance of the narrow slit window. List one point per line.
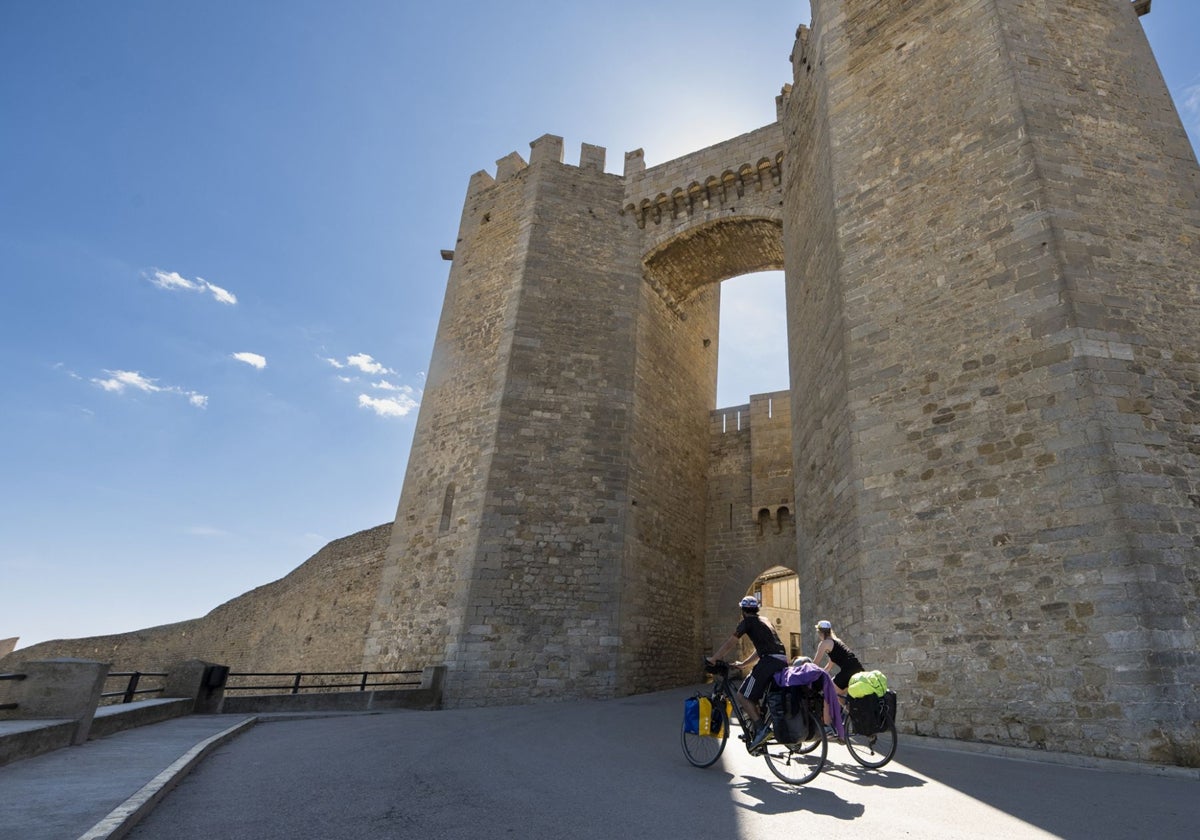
(447, 508)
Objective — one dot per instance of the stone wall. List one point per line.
(1012, 204)
(749, 445)
(546, 593)
(422, 599)
(528, 415)
(676, 384)
(315, 618)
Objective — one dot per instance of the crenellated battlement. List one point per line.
(548, 147)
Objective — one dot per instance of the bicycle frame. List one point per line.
(794, 763)
(723, 688)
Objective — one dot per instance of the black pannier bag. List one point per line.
(871, 713)
(791, 724)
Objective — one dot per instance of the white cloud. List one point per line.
(398, 406)
(119, 381)
(363, 362)
(252, 359)
(221, 295)
(366, 364)
(401, 399)
(173, 280)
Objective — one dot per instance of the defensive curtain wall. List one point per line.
(314, 619)
(988, 218)
(988, 214)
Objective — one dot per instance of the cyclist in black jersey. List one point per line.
(769, 657)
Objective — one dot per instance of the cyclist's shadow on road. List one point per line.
(890, 778)
(775, 798)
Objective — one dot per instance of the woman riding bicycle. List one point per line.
(838, 654)
(769, 657)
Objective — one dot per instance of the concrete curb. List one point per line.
(1111, 765)
(126, 815)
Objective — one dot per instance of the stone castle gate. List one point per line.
(988, 214)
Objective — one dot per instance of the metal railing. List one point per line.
(4, 706)
(363, 680)
(131, 690)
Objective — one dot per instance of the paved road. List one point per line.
(64, 794)
(615, 769)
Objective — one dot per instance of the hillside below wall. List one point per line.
(314, 619)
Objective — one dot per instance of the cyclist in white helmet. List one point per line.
(769, 657)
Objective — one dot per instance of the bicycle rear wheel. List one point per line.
(872, 751)
(798, 763)
(703, 750)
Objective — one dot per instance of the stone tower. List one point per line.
(989, 217)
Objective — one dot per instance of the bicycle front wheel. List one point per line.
(872, 751)
(798, 764)
(704, 750)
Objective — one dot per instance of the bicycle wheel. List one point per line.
(872, 751)
(799, 763)
(703, 750)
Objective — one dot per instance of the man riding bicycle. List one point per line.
(769, 657)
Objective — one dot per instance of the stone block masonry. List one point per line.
(1011, 207)
(750, 520)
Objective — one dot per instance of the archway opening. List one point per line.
(778, 591)
(752, 348)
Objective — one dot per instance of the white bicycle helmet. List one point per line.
(748, 603)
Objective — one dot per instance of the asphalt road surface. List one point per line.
(607, 769)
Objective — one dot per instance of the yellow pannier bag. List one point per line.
(706, 718)
(866, 683)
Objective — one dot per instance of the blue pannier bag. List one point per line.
(691, 715)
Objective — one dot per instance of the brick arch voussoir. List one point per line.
(714, 251)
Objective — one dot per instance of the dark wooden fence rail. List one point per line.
(11, 677)
(296, 680)
(131, 690)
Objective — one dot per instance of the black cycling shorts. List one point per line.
(843, 677)
(755, 685)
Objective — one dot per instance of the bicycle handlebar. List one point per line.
(720, 668)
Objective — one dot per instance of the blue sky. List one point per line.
(219, 245)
